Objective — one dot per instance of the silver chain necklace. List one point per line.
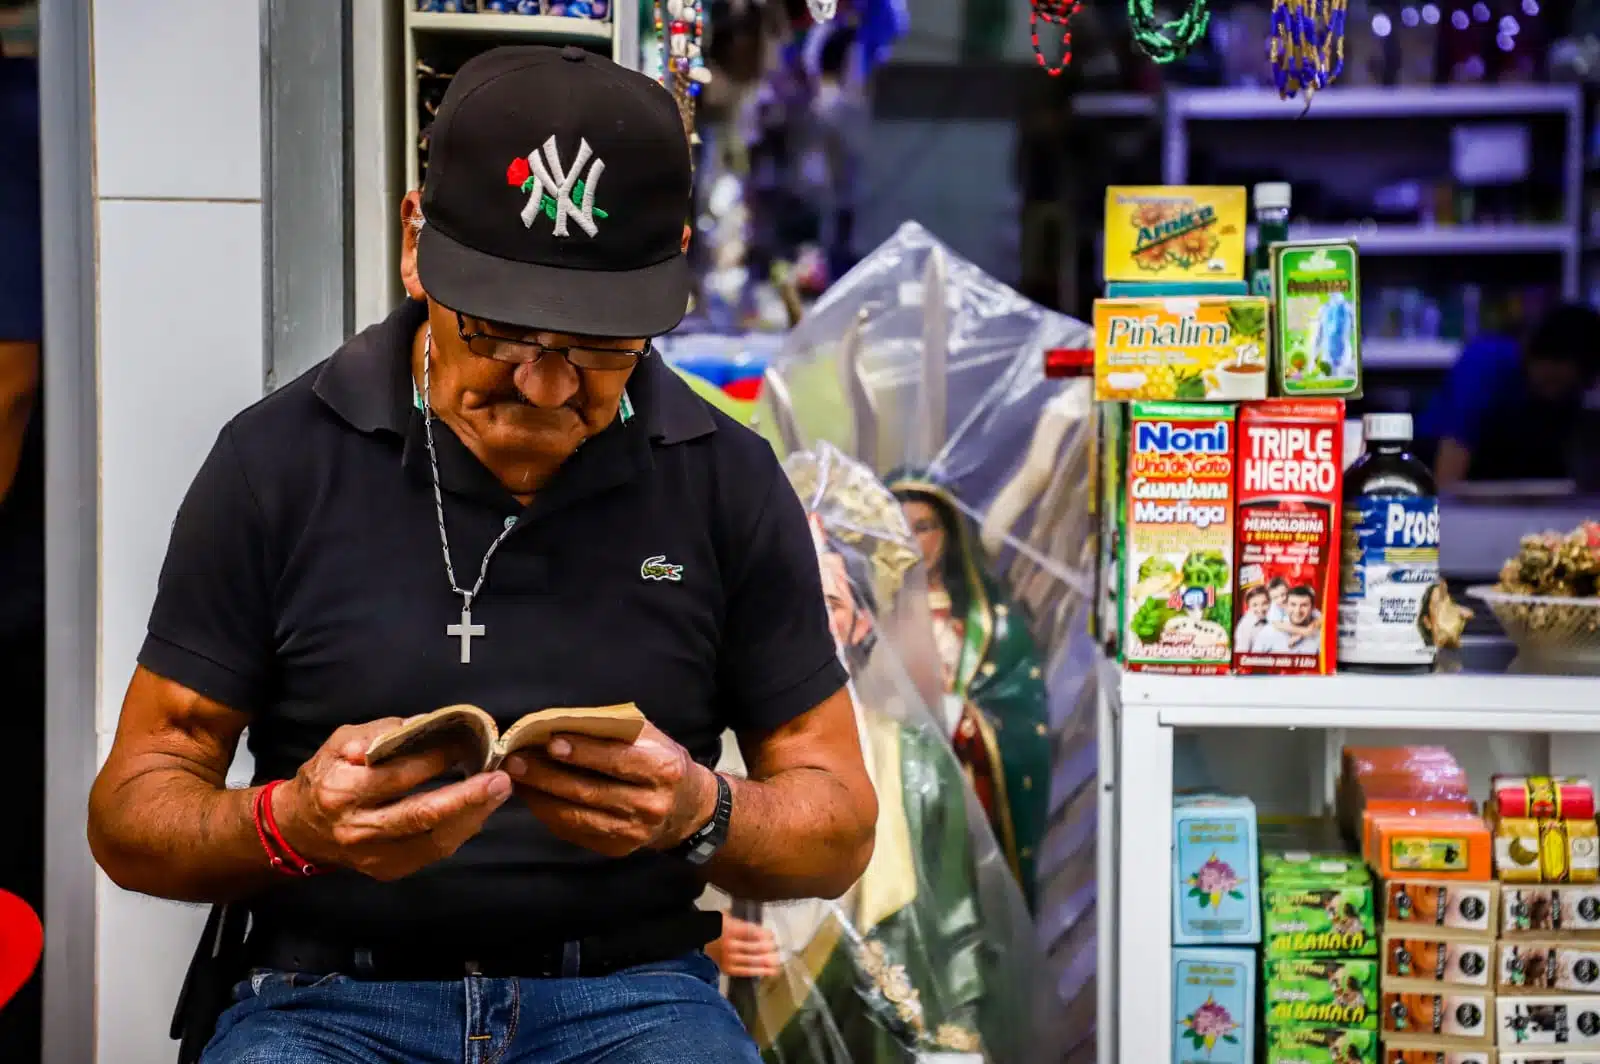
(465, 630)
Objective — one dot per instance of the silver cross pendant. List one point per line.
(465, 631)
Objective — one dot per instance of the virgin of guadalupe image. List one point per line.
(930, 951)
(996, 707)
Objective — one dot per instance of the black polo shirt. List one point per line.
(304, 584)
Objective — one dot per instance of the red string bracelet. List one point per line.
(283, 857)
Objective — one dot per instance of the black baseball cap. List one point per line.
(558, 187)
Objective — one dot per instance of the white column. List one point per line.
(178, 205)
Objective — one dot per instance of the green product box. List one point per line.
(1316, 318)
(1311, 919)
(1323, 993)
(1325, 867)
(1321, 1045)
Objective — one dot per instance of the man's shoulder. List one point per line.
(293, 409)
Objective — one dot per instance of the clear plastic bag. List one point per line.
(931, 951)
(931, 373)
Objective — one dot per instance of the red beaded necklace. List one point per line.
(1053, 13)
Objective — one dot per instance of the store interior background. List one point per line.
(221, 177)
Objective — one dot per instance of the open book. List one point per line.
(482, 745)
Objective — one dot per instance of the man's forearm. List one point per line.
(168, 833)
(801, 833)
(19, 384)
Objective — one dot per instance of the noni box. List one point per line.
(1177, 539)
(1215, 897)
(1213, 1006)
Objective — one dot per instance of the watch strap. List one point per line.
(698, 848)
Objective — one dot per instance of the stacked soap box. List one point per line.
(1408, 808)
(1319, 959)
(1547, 969)
(1216, 927)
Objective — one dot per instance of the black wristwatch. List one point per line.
(698, 848)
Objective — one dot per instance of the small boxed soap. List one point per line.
(1321, 1045)
(1545, 967)
(1437, 845)
(1322, 993)
(1436, 904)
(1546, 851)
(1215, 899)
(1569, 910)
(1547, 1056)
(1435, 959)
(1428, 1010)
(1549, 1020)
(1309, 912)
(1213, 1004)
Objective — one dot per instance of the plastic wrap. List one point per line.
(930, 952)
(931, 373)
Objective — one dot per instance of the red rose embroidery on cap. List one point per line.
(518, 172)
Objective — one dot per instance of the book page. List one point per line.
(621, 723)
(466, 728)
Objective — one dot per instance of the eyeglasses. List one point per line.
(516, 351)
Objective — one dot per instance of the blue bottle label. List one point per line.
(1391, 556)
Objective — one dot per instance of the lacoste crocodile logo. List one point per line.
(657, 567)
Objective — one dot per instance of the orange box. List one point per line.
(1377, 808)
(1433, 845)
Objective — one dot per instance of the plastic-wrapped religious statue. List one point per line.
(929, 953)
(996, 707)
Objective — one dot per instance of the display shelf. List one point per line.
(1510, 239)
(617, 36)
(1220, 110)
(1400, 102)
(1115, 105)
(1387, 352)
(1452, 702)
(517, 27)
(1147, 708)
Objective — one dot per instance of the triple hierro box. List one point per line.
(1290, 463)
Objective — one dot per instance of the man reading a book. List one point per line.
(497, 503)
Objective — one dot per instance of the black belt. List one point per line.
(433, 961)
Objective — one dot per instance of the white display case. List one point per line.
(1145, 711)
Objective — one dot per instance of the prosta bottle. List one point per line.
(1270, 200)
(1391, 553)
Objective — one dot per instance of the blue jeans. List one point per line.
(653, 1014)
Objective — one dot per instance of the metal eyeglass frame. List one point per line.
(624, 358)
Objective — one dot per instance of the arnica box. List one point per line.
(1214, 897)
(1213, 1006)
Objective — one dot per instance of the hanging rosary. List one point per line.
(822, 10)
(1306, 45)
(683, 68)
(1170, 42)
(1053, 13)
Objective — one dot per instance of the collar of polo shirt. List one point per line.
(368, 383)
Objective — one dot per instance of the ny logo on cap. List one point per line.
(557, 192)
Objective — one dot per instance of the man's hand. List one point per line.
(745, 950)
(615, 798)
(337, 811)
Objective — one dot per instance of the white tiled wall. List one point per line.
(178, 99)
(178, 156)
